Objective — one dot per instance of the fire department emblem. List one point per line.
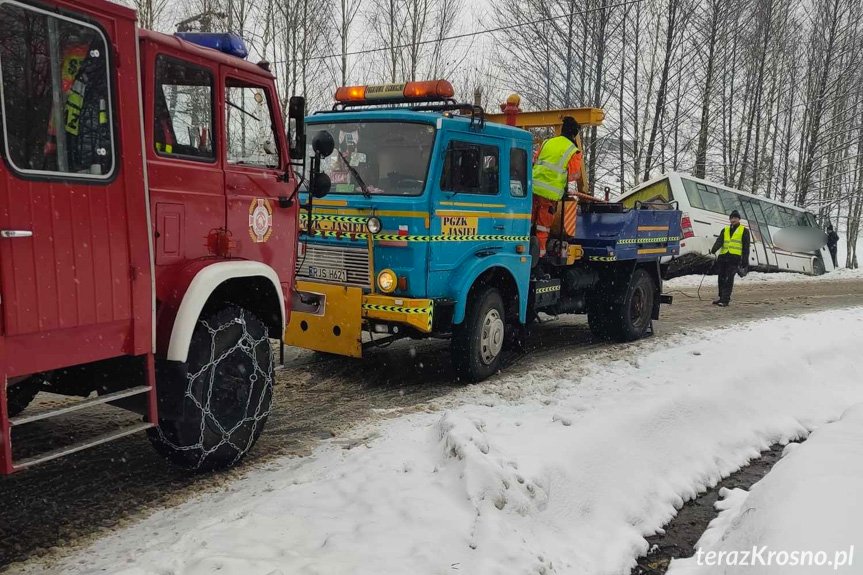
(260, 220)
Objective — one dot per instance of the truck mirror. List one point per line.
(297, 127)
(320, 185)
(323, 143)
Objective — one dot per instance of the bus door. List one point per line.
(762, 242)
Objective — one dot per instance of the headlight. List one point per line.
(373, 225)
(387, 281)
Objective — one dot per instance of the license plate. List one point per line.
(329, 274)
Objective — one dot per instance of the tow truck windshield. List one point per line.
(377, 158)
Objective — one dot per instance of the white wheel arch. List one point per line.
(205, 283)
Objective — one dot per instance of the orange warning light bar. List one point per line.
(351, 94)
(431, 90)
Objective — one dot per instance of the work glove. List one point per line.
(742, 271)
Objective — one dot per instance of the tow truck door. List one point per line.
(468, 207)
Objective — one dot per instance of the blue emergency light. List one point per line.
(227, 43)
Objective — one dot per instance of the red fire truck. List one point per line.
(148, 229)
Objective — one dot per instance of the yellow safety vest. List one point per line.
(550, 169)
(732, 244)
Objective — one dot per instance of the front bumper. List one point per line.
(331, 318)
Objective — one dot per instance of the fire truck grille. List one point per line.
(330, 264)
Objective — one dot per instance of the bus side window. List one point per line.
(730, 201)
(693, 194)
(711, 199)
(772, 214)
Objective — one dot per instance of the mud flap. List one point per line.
(326, 318)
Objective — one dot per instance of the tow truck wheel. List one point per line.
(226, 394)
(631, 315)
(477, 342)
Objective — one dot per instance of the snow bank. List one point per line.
(567, 476)
(809, 503)
(693, 281)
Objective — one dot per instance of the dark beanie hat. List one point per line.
(734, 214)
(570, 127)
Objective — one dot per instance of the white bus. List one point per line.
(706, 205)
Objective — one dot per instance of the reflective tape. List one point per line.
(548, 289)
(603, 258)
(429, 310)
(437, 238)
(329, 218)
(649, 240)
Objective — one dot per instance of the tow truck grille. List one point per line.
(354, 261)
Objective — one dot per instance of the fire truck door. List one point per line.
(66, 208)
(255, 165)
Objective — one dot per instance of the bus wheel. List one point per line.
(226, 394)
(818, 267)
(19, 396)
(631, 314)
(477, 342)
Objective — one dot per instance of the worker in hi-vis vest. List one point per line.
(557, 163)
(733, 247)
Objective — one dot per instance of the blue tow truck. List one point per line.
(417, 223)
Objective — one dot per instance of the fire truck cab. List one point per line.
(148, 230)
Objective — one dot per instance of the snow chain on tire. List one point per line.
(209, 452)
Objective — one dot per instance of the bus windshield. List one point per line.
(377, 158)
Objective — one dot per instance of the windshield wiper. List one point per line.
(363, 186)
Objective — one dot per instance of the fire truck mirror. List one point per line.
(297, 127)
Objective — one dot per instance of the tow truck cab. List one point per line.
(443, 206)
(426, 231)
(147, 215)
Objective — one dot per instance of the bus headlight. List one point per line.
(373, 225)
(387, 281)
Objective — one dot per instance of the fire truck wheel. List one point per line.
(478, 340)
(19, 396)
(631, 314)
(226, 395)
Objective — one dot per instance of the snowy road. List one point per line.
(74, 500)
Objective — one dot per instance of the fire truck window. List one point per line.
(183, 110)
(56, 105)
(251, 137)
